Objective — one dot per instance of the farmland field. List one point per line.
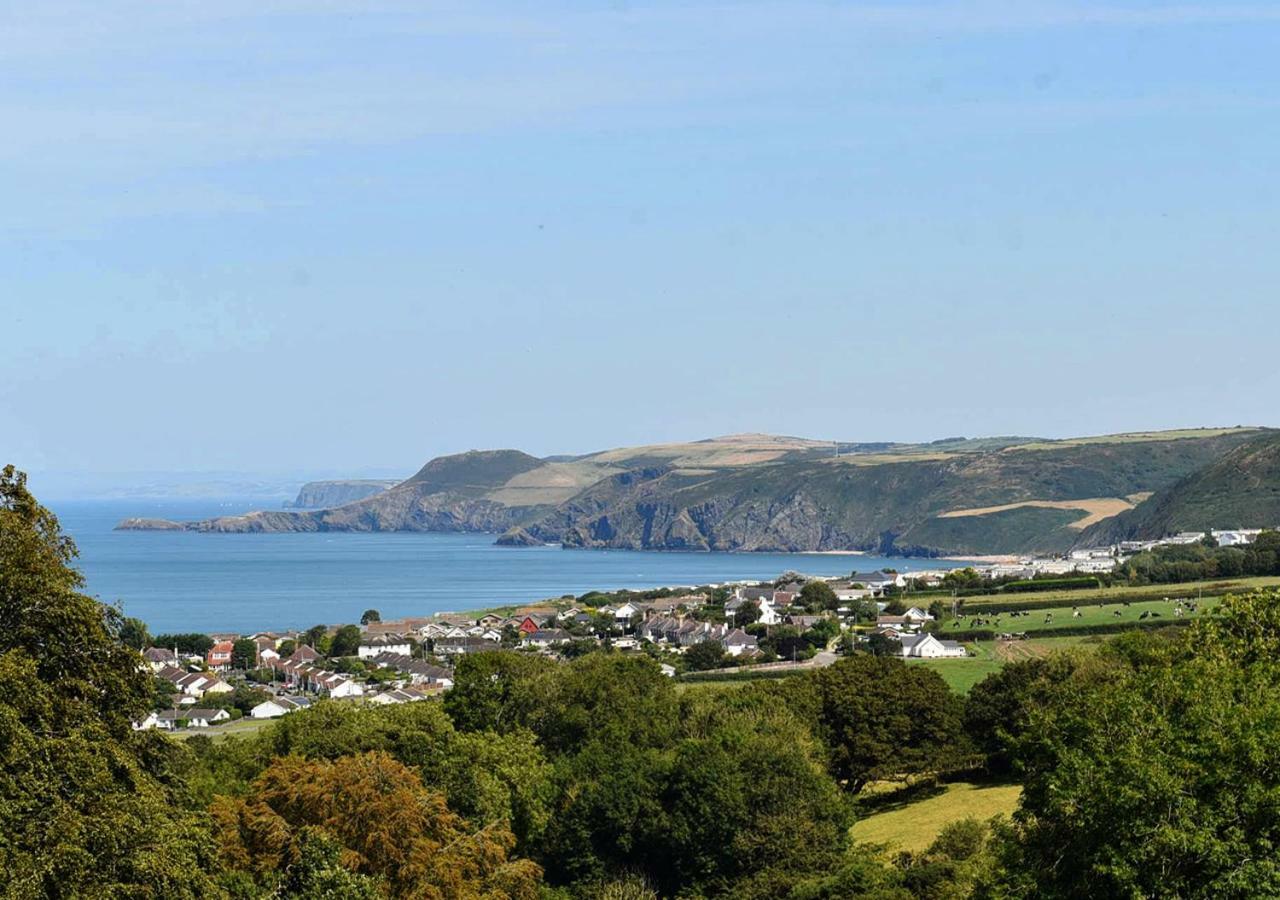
(1035, 620)
(990, 656)
(1113, 595)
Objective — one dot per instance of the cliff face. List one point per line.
(327, 494)
(755, 493)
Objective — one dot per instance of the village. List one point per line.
(384, 662)
(795, 622)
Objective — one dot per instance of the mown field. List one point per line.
(914, 825)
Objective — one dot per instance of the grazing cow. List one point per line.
(1144, 615)
(1117, 614)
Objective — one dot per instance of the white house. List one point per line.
(146, 723)
(203, 718)
(737, 642)
(917, 615)
(372, 645)
(278, 706)
(926, 646)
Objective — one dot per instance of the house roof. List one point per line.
(202, 713)
(549, 634)
(158, 654)
(383, 640)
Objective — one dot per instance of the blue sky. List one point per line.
(330, 237)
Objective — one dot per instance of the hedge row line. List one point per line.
(989, 634)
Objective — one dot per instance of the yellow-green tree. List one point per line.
(389, 827)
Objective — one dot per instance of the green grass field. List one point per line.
(990, 656)
(1113, 595)
(913, 826)
(238, 728)
(1048, 619)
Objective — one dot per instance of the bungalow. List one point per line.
(337, 686)
(490, 620)
(146, 723)
(926, 646)
(547, 638)
(876, 582)
(218, 686)
(158, 657)
(278, 706)
(897, 623)
(459, 646)
(737, 642)
(370, 647)
(219, 655)
(203, 718)
(401, 695)
(917, 615)
(416, 671)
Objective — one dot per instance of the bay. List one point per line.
(186, 581)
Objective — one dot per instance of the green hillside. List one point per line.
(1240, 490)
(763, 492)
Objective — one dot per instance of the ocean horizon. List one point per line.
(189, 581)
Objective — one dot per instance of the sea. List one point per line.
(188, 581)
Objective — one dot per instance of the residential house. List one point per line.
(402, 695)
(279, 706)
(219, 655)
(461, 645)
(158, 658)
(416, 671)
(203, 718)
(371, 646)
(926, 646)
(877, 582)
(737, 642)
(548, 637)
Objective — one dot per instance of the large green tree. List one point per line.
(881, 718)
(1155, 770)
(88, 807)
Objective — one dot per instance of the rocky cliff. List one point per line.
(755, 492)
(326, 494)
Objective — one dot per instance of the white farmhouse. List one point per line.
(926, 646)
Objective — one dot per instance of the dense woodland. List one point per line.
(1151, 767)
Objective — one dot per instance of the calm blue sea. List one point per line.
(181, 581)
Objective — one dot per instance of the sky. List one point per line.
(326, 237)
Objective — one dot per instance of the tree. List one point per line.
(88, 807)
(133, 633)
(346, 642)
(880, 644)
(389, 826)
(703, 656)
(1153, 771)
(369, 616)
(818, 595)
(497, 691)
(191, 643)
(317, 638)
(244, 654)
(286, 648)
(881, 718)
